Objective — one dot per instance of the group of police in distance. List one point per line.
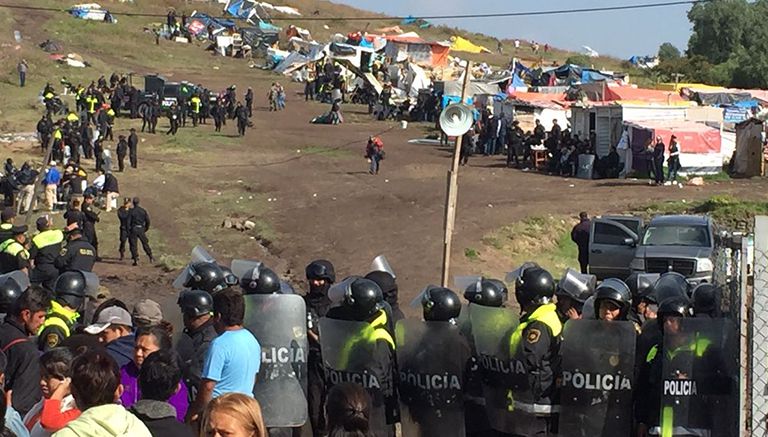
(647, 355)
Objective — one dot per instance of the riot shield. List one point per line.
(432, 357)
(199, 254)
(380, 264)
(22, 280)
(279, 323)
(699, 378)
(598, 360)
(350, 355)
(243, 267)
(491, 330)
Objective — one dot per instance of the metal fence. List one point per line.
(754, 332)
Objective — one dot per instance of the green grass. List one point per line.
(471, 254)
(545, 240)
(727, 211)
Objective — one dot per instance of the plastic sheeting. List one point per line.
(460, 44)
(749, 149)
(700, 145)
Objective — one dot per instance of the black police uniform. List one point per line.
(192, 348)
(89, 226)
(76, 255)
(138, 221)
(22, 374)
(46, 247)
(125, 227)
(13, 257)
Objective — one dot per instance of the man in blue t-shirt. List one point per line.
(233, 359)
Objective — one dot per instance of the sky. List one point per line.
(616, 33)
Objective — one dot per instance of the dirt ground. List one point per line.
(322, 203)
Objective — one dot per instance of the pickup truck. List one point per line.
(620, 245)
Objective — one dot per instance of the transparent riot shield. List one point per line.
(279, 323)
(598, 360)
(699, 378)
(491, 330)
(353, 352)
(432, 359)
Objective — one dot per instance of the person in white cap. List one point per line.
(114, 326)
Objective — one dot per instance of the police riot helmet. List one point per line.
(207, 276)
(363, 298)
(487, 292)
(641, 285)
(576, 286)
(260, 280)
(70, 289)
(229, 277)
(534, 285)
(706, 300)
(195, 303)
(321, 269)
(671, 284)
(616, 291)
(676, 306)
(10, 290)
(440, 304)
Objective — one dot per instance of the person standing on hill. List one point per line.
(123, 214)
(580, 236)
(242, 118)
(138, 220)
(22, 68)
(133, 148)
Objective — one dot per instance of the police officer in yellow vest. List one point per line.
(69, 299)
(72, 117)
(363, 301)
(13, 253)
(7, 217)
(57, 137)
(534, 350)
(45, 248)
(196, 103)
(91, 104)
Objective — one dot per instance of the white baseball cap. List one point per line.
(113, 315)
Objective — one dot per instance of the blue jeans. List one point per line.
(22, 78)
(374, 164)
(490, 146)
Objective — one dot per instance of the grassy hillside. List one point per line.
(126, 46)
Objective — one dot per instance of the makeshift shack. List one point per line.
(414, 49)
(700, 145)
(544, 107)
(748, 158)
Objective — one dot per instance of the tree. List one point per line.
(668, 51)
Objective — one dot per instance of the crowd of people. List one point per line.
(80, 362)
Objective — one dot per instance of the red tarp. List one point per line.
(541, 100)
(613, 93)
(693, 137)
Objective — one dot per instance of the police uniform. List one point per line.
(13, 256)
(58, 325)
(76, 255)
(192, 349)
(6, 231)
(89, 226)
(535, 345)
(46, 247)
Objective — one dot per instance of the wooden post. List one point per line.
(452, 192)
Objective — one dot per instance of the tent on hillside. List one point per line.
(748, 158)
(91, 11)
(700, 144)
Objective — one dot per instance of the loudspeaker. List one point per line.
(456, 119)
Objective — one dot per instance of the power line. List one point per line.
(424, 17)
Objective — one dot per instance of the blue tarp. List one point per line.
(447, 100)
(517, 82)
(268, 27)
(233, 8)
(589, 76)
(746, 104)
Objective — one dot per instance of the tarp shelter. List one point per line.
(414, 80)
(198, 24)
(414, 49)
(256, 37)
(89, 11)
(699, 144)
(570, 74)
(720, 98)
(545, 107)
(460, 44)
(603, 92)
(748, 158)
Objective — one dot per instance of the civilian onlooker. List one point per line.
(114, 327)
(5, 431)
(96, 389)
(22, 68)
(229, 366)
(51, 182)
(159, 381)
(147, 312)
(22, 374)
(57, 408)
(150, 340)
(658, 161)
(233, 414)
(11, 417)
(348, 408)
(673, 162)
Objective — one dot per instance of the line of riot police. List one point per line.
(645, 356)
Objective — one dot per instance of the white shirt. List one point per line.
(99, 181)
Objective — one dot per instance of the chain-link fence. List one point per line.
(755, 334)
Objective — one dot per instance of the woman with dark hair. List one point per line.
(348, 408)
(149, 340)
(57, 408)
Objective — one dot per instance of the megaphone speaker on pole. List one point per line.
(456, 119)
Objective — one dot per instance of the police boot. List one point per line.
(135, 262)
(122, 255)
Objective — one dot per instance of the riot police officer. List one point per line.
(197, 310)
(488, 293)
(46, 246)
(644, 302)
(572, 291)
(370, 347)
(68, 300)
(534, 347)
(207, 276)
(77, 255)
(440, 304)
(260, 280)
(11, 287)
(320, 276)
(612, 300)
(13, 253)
(706, 301)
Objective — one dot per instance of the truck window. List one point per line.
(695, 236)
(609, 234)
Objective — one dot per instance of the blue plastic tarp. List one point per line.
(447, 100)
(589, 76)
(233, 8)
(517, 82)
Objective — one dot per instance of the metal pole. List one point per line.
(452, 192)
